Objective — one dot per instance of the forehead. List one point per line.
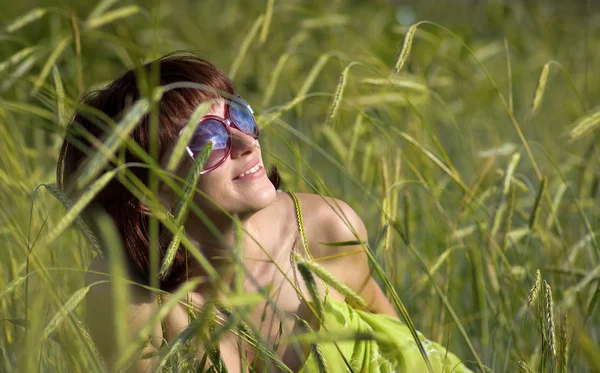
(217, 107)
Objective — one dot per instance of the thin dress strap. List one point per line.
(303, 234)
(163, 324)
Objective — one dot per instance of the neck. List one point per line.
(217, 241)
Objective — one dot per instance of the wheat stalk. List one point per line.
(549, 314)
(534, 293)
(539, 90)
(405, 51)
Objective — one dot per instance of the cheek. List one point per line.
(213, 187)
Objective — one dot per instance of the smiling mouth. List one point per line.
(250, 171)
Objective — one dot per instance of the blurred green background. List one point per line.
(425, 149)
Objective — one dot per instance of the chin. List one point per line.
(241, 197)
(256, 196)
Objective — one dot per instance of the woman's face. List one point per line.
(240, 184)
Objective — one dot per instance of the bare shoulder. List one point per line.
(329, 220)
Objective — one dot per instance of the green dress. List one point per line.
(394, 350)
(399, 353)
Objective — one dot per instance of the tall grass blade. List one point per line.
(176, 346)
(311, 285)
(316, 351)
(49, 63)
(19, 73)
(336, 142)
(100, 159)
(21, 107)
(112, 16)
(267, 23)
(356, 131)
(62, 313)
(585, 124)
(31, 16)
(590, 352)
(174, 299)
(397, 82)
(399, 305)
(328, 278)
(508, 176)
(281, 62)
(74, 212)
(313, 74)
(77, 39)
(81, 223)
(555, 204)
(538, 201)
(186, 135)
(238, 264)
(245, 46)
(60, 98)
(118, 271)
(182, 206)
(16, 58)
(442, 296)
(437, 161)
(100, 8)
(12, 286)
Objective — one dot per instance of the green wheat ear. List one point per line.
(65, 311)
(405, 51)
(534, 293)
(182, 206)
(74, 212)
(81, 223)
(549, 318)
(339, 93)
(330, 279)
(563, 348)
(541, 86)
(585, 124)
(309, 280)
(316, 350)
(524, 368)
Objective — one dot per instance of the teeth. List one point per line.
(250, 171)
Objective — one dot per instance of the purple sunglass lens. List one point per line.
(210, 131)
(241, 114)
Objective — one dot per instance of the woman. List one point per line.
(278, 228)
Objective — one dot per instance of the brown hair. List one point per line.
(174, 110)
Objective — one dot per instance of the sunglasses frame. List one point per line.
(225, 122)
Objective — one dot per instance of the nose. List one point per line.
(241, 143)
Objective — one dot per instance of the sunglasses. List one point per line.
(216, 129)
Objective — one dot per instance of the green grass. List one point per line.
(465, 137)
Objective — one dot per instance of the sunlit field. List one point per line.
(464, 133)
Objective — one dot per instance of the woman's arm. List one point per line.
(335, 221)
(140, 310)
